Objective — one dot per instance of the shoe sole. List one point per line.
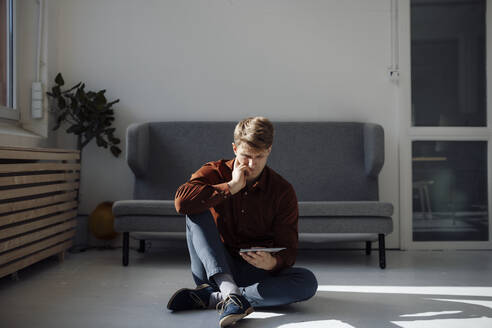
(183, 289)
(233, 318)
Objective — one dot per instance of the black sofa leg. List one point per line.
(382, 252)
(126, 247)
(368, 248)
(141, 249)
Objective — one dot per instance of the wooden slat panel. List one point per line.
(19, 241)
(32, 167)
(27, 215)
(21, 192)
(21, 252)
(16, 266)
(49, 150)
(38, 155)
(25, 222)
(26, 204)
(25, 179)
(10, 232)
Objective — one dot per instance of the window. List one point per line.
(450, 190)
(7, 60)
(448, 63)
(447, 146)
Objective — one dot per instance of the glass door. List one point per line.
(445, 148)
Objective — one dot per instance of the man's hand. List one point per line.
(262, 260)
(239, 173)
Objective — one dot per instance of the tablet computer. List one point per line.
(266, 249)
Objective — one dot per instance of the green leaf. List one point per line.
(74, 104)
(81, 96)
(90, 114)
(112, 103)
(72, 88)
(56, 91)
(100, 100)
(58, 122)
(115, 150)
(76, 111)
(59, 79)
(101, 142)
(76, 129)
(61, 103)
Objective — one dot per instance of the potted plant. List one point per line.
(88, 114)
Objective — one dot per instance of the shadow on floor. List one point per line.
(345, 310)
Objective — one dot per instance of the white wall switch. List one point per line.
(37, 100)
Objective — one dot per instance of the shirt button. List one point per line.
(203, 202)
(242, 211)
(245, 193)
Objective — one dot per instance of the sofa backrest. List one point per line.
(335, 161)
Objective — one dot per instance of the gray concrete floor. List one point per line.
(93, 289)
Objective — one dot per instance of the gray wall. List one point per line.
(225, 60)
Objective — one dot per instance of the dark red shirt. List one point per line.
(264, 214)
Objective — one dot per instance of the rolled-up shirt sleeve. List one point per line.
(204, 190)
(286, 230)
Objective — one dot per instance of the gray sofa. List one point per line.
(333, 166)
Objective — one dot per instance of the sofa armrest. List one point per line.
(373, 149)
(137, 147)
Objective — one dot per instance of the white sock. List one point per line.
(226, 284)
(215, 298)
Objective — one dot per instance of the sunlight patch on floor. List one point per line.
(487, 304)
(264, 315)
(414, 290)
(317, 324)
(482, 322)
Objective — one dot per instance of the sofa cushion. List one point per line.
(342, 224)
(306, 208)
(149, 223)
(144, 207)
(345, 208)
(346, 224)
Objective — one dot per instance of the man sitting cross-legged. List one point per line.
(234, 204)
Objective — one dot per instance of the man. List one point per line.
(234, 204)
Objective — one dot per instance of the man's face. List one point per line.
(254, 158)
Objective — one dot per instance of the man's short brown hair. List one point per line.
(256, 132)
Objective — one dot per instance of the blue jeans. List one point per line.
(261, 288)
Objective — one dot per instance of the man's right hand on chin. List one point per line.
(239, 173)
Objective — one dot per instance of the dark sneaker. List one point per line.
(191, 299)
(232, 309)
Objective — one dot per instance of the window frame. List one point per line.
(10, 112)
(409, 133)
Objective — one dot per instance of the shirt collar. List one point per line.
(262, 180)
